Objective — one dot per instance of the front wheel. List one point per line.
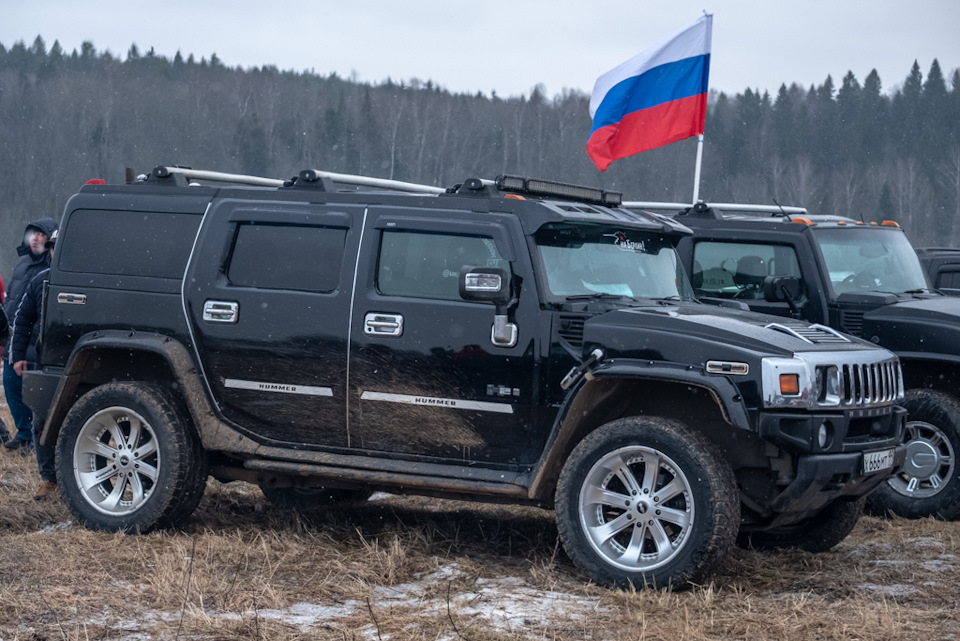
(928, 484)
(817, 534)
(647, 502)
(128, 459)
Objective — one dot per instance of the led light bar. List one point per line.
(552, 189)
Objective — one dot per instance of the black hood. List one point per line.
(928, 325)
(692, 333)
(45, 225)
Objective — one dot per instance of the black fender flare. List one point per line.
(176, 355)
(724, 393)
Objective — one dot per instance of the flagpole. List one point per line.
(696, 173)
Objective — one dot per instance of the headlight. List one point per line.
(829, 390)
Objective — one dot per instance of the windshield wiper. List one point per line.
(599, 296)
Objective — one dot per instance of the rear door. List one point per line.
(268, 298)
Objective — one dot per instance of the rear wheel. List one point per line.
(817, 534)
(305, 498)
(647, 502)
(928, 484)
(128, 459)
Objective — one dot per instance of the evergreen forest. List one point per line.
(857, 149)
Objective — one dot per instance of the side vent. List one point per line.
(852, 323)
(571, 329)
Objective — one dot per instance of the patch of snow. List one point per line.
(56, 527)
(893, 589)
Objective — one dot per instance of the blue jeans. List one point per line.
(22, 415)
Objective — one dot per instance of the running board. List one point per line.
(381, 478)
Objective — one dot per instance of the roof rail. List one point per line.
(313, 175)
(189, 174)
(732, 207)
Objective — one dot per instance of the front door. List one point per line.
(425, 375)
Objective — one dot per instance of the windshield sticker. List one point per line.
(624, 244)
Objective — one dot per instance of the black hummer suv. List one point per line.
(863, 279)
(515, 340)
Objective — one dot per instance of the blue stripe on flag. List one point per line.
(665, 83)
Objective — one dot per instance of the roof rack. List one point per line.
(314, 175)
(189, 174)
(701, 207)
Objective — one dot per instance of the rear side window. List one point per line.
(122, 243)
(297, 257)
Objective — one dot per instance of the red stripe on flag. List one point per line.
(648, 129)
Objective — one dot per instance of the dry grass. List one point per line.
(410, 568)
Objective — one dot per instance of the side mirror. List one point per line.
(779, 289)
(485, 284)
(492, 285)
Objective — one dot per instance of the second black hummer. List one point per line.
(514, 340)
(863, 279)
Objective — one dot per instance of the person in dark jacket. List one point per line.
(35, 258)
(26, 320)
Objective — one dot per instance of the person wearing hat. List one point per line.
(35, 259)
(25, 323)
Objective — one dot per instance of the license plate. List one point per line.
(876, 461)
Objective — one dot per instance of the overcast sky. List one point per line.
(509, 46)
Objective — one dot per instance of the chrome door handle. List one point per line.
(65, 298)
(221, 311)
(377, 324)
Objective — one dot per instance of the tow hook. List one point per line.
(577, 372)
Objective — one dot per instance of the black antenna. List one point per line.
(782, 211)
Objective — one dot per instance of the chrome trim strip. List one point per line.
(283, 388)
(430, 401)
(353, 300)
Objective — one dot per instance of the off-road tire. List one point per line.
(308, 498)
(159, 453)
(817, 534)
(929, 482)
(696, 527)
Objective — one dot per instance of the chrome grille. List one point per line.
(867, 384)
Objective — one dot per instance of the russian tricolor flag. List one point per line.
(656, 98)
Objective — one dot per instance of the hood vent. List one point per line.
(816, 333)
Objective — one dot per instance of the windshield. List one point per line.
(584, 261)
(870, 259)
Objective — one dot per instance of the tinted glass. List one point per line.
(287, 257)
(737, 270)
(128, 243)
(427, 265)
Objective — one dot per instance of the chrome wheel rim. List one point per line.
(117, 461)
(929, 464)
(636, 508)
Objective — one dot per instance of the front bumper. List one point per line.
(835, 470)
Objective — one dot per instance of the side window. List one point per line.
(142, 243)
(427, 265)
(287, 257)
(737, 270)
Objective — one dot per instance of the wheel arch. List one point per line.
(922, 372)
(710, 406)
(110, 356)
